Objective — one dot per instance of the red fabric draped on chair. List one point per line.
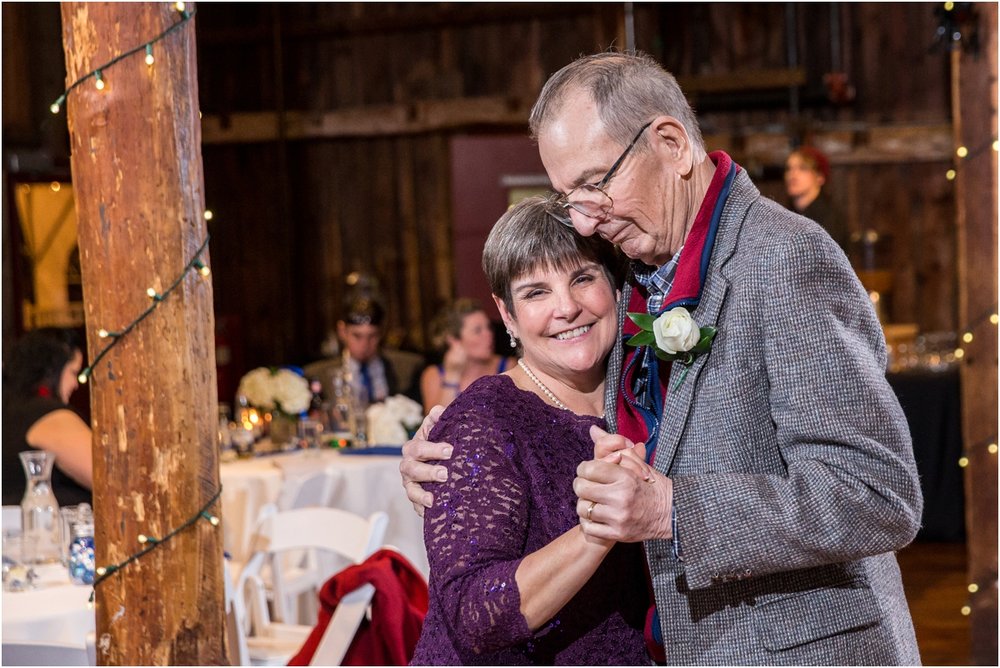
(397, 611)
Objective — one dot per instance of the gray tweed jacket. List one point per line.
(793, 470)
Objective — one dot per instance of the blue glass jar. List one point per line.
(81, 549)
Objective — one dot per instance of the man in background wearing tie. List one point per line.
(372, 374)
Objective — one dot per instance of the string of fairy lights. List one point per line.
(148, 542)
(98, 72)
(958, 30)
(157, 298)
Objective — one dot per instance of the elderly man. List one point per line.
(784, 474)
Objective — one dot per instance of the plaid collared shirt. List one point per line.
(657, 281)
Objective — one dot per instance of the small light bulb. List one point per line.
(967, 337)
(996, 145)
(142, 539)
(966, 610)
(100, 80)
(101, 570)
(103, 333)
(950, 175)
(179, 6)
(963, 462)
(961, 151)
(992, 448)
(948, 6)
(214, 521)
(54, 108)
(204, 271)
(973, 588)
(56, 186)
(149, 54)
(82, 379)
(959, 353)
(994, 318)
(208, 214)
(151, 292)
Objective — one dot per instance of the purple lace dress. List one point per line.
(509, 493)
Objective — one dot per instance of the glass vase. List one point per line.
(283, 430)
(41, 523)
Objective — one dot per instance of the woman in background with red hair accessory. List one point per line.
(807, 170)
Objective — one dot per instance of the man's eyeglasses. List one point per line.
(591, 199)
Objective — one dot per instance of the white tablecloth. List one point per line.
(55, 610)
(362, 484)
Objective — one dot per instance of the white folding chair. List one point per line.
(343, 626)
(11, 518)
(15, 653)
(337, 533)
(311, 491)
(292, 576)
(236, 619)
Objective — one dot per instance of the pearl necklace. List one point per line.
(546, 391)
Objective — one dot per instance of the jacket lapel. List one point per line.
(682, 389)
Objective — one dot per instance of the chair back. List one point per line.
(338, 538)
(25, 653)
(312, 490)
(11, 518)
(343, 626)
(236, 618)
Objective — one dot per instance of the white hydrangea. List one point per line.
(291, 392)
(280, 389)
(389, 421)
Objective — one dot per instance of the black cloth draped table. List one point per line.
(932, 403)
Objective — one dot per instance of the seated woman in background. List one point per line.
(807, 170)
(38, 378)
(463, 333)
(513, 578)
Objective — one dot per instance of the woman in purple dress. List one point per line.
(513, 578)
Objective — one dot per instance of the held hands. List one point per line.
(414, 470)
(619, 496)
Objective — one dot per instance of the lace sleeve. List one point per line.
(476, 531)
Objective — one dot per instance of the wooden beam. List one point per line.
(402, 18)
(729, 82)
(374, 121)
(137, 177)
(974, 104)
(856, 145)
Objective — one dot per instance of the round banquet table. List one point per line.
(55, 610)
(363, 483)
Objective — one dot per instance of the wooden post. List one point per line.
(137, 174)
(974, 95)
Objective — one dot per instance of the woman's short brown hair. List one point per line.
(526, 238)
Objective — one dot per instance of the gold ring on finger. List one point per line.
(590, 510)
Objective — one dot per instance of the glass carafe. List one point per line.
(41, 524)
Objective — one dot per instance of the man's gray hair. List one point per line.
(526, 238)
(629, 89)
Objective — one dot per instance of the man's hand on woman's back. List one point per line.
(415, 471)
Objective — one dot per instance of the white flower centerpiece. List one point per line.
(394, 420)
(282, 393)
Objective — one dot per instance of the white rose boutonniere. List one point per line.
(676, 331)
(673, 335)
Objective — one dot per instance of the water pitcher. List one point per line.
(41, 526)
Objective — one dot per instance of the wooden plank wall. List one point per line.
(327, 128)
(375, 198)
